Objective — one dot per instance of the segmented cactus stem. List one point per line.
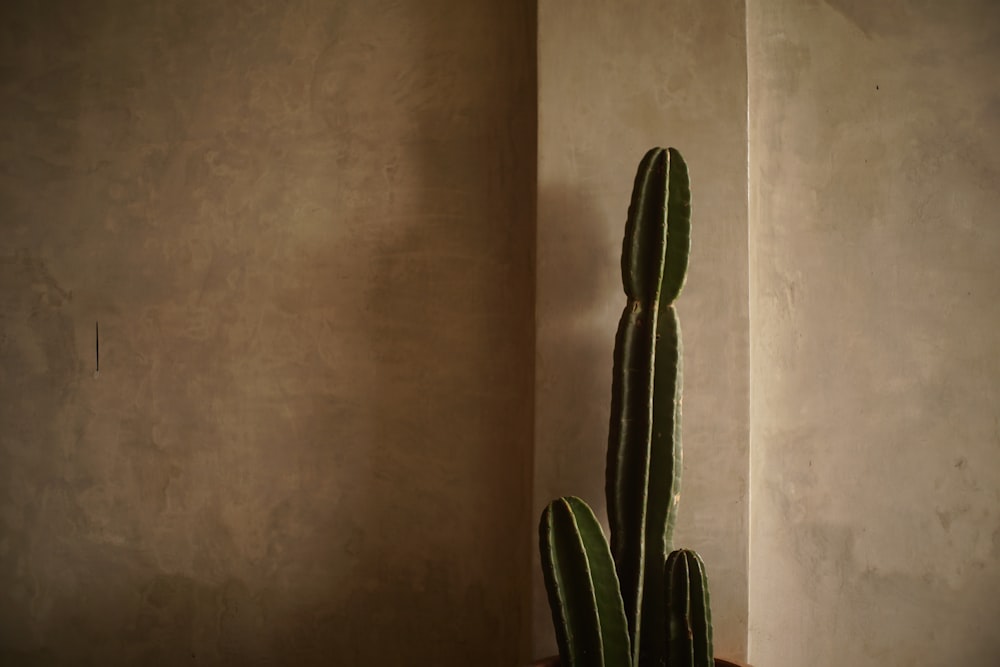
(644, 447)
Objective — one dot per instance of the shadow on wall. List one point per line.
(311, 248)
(578, 336)
(448, 321)
(439, 526)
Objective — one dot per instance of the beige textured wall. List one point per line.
(616, 78)
(306, 229)
(875, 161)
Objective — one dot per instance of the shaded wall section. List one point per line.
(615, 79)
(875, 159)
(306, 231)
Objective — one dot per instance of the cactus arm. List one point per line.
(583, 591)
(643, 466)
(689, 615)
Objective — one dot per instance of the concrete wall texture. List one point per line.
(306, 229)
(875, 278)
(323, 428)
(616, 78)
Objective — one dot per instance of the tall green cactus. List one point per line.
(644, 444)
(612, 606)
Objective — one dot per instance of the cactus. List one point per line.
(583, 590)
(619, 606)
(644, 445)
(689, 615)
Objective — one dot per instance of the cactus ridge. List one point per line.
(582, 586)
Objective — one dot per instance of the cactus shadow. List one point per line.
(579, 302)
(432, 511)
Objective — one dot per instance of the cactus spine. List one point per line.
(609, 603)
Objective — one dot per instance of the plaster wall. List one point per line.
(306, 231)
(615, 79)
(875, 159)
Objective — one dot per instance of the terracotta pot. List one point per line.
(554, 662)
